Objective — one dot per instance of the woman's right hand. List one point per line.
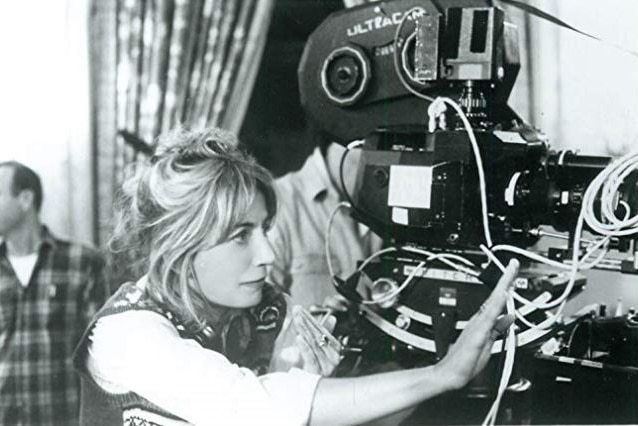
(471, 351)
(306, 344)
(320, 351)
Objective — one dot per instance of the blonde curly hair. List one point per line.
(199, 185)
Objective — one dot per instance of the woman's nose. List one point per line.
(265, 254)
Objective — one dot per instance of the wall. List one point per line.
(44, 106)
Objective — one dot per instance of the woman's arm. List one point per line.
(362, 399)
(358, 400)
(141, 352)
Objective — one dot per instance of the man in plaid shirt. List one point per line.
(49, 290)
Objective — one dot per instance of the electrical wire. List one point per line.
(457, 108)
(587, 211)
(478, 159)
(442, 257)
(344, 189)
(349, 204)
(392, 294)
(333, 214)
(445, 260)
(607, 182)
(508, 367)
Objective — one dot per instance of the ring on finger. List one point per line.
(323, 340)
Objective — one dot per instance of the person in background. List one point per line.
(202, 338)
(307, 199)
(49, 289)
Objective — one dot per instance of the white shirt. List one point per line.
(142, 352)
(23, 266)
(307, 198)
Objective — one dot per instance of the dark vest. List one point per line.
(246, 337)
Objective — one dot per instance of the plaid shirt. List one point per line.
(40, 325)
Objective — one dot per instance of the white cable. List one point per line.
(392, 294)
(466, 124)
(509, 344)
(508, 367)
(354, 144)
(443, 257)
(478, 159)
(446, 260)
(577, 264)
(374, 256)
(608, 181)
(339, 206)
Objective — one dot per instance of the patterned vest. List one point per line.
(245, 337)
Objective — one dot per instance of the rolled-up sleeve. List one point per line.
(141, 352)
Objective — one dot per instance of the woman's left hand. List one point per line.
(320, 350)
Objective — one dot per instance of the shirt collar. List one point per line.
(47, 237)
(315, 175)
(47, 240)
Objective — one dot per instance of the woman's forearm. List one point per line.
(361, 399)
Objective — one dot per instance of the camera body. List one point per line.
(420, 187)
(355, 64)
(373, 72)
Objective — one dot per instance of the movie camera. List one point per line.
(452, 178)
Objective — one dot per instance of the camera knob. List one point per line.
(384, 291)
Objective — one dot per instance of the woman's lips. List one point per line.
(254, 282)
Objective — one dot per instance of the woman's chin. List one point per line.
(244, 296)
(251, 295)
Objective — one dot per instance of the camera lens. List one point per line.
(345, 74)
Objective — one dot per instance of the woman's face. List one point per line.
(232, 273)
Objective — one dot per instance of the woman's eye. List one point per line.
(242, 237)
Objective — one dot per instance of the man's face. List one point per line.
(11, 211)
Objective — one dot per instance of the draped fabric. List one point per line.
(157, 64)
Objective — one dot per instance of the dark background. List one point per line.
(274, 127)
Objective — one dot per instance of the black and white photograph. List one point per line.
(318, 212)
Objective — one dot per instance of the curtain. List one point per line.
(156, 64)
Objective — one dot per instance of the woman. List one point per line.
(202, 339)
